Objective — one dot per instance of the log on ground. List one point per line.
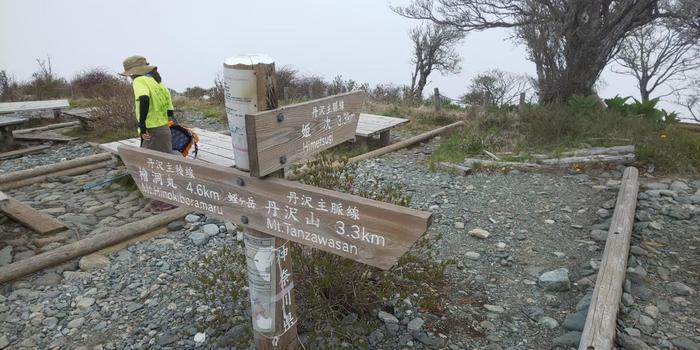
(87, 245)
(50, 168)
(67, 172)
(39, 222)
(599, 330)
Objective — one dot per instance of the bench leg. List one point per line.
(6, 139)
(361, 142)
(385, 137)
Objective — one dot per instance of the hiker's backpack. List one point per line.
(183, 139)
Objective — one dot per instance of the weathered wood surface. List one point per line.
(593, 151)
(49, 168)
(87, 245)
(599, 330)
(11, 121)
(23, 151)
(26, 106)
(372, 124)
(406, 143)
(471, 162)
(3, 197)
(46, 136)
(282, 136)
(37, 221)
(590, 159)
(214, 147)
(364, 230)
(65, 172)
(46, 127)
(459, 169)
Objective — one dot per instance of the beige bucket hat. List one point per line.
(136, 65)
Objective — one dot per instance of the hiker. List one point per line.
(154, 109)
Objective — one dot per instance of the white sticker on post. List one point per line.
(240, 98)
(260, 259)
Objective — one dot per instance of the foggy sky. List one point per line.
(188, 41)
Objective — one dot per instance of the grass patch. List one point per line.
(207, 109)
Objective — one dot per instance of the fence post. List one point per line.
(436, 99)
(286, 93)
(521, 103)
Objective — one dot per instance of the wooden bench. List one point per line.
(28, 106)
(7, 124)
(371, 124)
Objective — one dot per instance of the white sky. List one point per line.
(189, 40)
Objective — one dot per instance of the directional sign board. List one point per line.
(279, 137)
(364, 230)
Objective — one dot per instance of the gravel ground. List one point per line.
(522, 287)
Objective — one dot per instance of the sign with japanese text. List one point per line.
(279, 137)
(364, 230)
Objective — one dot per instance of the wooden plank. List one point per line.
(26, 106)
(599, 330)
(86, 245)
(44, 137)
(158, 231)
(23, 151)
(47, 127)
(9, 121)
(282, 136)
(49, 168)
(67, 172)
(361, 229)
(37, 221)
(371, 124)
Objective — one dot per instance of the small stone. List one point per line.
(627, 299)
(652, 311)
(556, 280)
(200, 337)
(638, 251)
(569, 339)
(472, 255)
(643, 215)
(387, 317)
(134, 307)
(656, 226)
(685, 343)
(6, 255)
(632, 343)
(655, 186)
(603, 213)
(645, 320)
(599, 235)
(633, 332)
(679, 186)
(494, 308)
(575, 321)
(500, 245)
(199, 238)
(4, 342)
(93, 262)
(75, 323)
(191, 218)
(548, 322)
(176, 226)
(459, 225)
(480, 233)
(415, 325)
(84, 302)
(166, 339)
(549, 221)
(211, 229)
(584, 303)
(48, 279)
(681, 289)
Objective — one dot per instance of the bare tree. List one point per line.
(655, 55)
(433, 50)
(570, 41)
(690, 98)
(496, 88)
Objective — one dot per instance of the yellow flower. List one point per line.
(663, 135)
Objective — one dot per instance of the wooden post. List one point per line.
(436, 99)
(521, 103)
(599, 330)
(311, 91)
(286, 94)
(271, 287)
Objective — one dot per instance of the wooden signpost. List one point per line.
(279, 137)
(274, 211)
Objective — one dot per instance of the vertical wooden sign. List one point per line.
(251, 86)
